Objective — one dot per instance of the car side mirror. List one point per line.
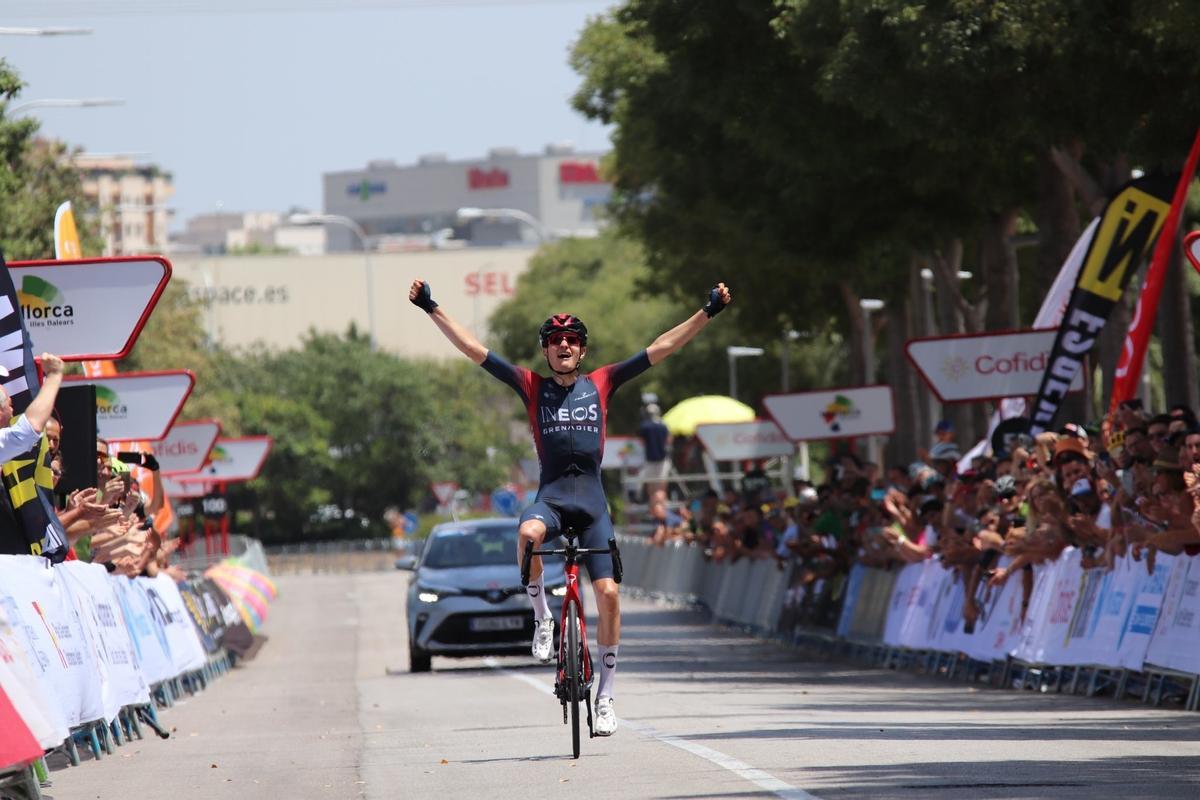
(407, 563)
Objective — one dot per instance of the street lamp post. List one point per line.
(869, 306)
(65, 102)
(9, 31)
(734, 352)
(469, 213)
(346, 222)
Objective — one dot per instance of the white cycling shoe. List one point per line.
(543, 639)
(606, 717)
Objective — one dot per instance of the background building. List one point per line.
(130, 201)
(274, 300)
(249, 232)
(410, 204)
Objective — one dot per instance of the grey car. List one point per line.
(465, 596)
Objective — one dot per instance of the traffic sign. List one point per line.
(411, 520)
(444, 491)
(504, 502)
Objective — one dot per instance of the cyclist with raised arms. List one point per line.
(567, 414)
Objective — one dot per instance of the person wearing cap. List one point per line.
(1071, 462)
(945, 457)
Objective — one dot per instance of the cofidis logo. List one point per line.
(109, 405)
(43, 304)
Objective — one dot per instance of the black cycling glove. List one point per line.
(423, 300)
(714, 305)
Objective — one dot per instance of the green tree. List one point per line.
(36, 175)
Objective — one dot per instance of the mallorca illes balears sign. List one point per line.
(233, 459)
(91, 308)
(187, 446)
(833, 413)
(137, 406)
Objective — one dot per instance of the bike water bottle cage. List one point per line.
(562, 323)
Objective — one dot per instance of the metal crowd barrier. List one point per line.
(748, 594)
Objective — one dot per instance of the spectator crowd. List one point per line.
(111, 520)
(1127, 486)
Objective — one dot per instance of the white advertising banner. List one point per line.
(187, 446)
(735, 441)
(186, 651)
(237, 459)
(905, 602)
(102, 620)
(985, 365)
(91, 308)
(623, 452)
(36, 605)
(23, 685)
(833, 413)
(998, 629)
(1143, 615)
(146, 630)
(1176, 640)
(138, 406)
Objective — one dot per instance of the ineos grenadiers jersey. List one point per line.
(567, 421)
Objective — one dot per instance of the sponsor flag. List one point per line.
(66, 236)
(1131, 220)
(1133, 353)
(28, 523)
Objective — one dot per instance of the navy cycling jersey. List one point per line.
(568, 422)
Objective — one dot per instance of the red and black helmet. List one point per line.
(562, 323)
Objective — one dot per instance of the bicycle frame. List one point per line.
(573, 596)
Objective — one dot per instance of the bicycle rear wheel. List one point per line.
(573, 676)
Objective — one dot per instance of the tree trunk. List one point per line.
(1057, 222)
(998, 262)
(855, 316)
(902, 444)
(1175, 333)
(920, 305)
(950, 309)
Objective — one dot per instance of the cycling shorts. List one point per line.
(593, 525)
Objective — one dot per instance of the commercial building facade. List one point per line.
(560, 188)
(274, 301)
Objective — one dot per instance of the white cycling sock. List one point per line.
(537, 596)
(608, 670)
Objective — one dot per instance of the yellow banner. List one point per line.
(1131, 221)
(66, 235)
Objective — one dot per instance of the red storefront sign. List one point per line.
(494, 178)
(579, 172)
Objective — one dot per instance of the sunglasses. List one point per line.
(570, 339)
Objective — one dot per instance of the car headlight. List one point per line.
(427, 597)
(559, 591)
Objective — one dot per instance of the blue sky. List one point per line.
(248, 109)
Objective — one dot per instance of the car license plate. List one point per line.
(497, 623)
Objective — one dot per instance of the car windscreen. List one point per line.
(471, 547)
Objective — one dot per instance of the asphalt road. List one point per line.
(328, 710)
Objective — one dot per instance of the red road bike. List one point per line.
(573, 676)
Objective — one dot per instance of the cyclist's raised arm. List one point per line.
(459, 336)
(681, 334)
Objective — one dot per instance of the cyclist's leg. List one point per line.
(539, 523)
(608, 608)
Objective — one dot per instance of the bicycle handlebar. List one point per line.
(612, 549)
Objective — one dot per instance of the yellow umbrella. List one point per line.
(706, 409)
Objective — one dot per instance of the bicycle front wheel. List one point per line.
(573, 677)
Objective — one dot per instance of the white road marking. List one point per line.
(762, 780)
